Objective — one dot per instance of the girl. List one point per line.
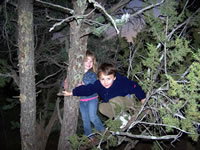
(88, 104)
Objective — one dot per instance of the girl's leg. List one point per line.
(92, 105)
(85, 118)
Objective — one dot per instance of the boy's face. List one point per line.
(107, 80)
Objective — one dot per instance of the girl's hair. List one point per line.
(106, 69)
(90, 54)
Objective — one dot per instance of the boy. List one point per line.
(112, 89)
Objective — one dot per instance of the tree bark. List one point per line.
(78, 47)
(27, 75)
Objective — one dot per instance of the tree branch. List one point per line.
(102, 9)
(54, 6)
(51, 75)
(166, 137)
(147, 8)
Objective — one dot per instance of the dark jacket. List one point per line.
(122, 86)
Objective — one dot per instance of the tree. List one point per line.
(27, 75)
(85, 18)
(169, 74)
(78, 46)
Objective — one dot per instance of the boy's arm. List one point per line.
(83, 90)
(135, 88)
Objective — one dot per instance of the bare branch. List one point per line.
(51, 75)
(70, 18)
(118, 6)
(5, 75)
(166, 137)
(147, 8)
(180, 25)
(164, 125)
(50, 5)
(102, 9)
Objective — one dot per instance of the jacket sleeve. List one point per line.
(84, 90)
(135, 88)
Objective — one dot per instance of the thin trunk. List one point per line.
(78, 47)
(27, 75)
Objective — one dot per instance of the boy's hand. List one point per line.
(67, 93)
(143, 100)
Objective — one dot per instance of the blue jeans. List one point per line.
(88, 111)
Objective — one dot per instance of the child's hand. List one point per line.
(80, 84)
(143, 100)
(67, 93)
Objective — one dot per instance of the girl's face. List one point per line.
(88, 64)
(106, 80)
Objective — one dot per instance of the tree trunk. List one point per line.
(78, 47)
(27, 75)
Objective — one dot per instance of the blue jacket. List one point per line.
(89, 78)
(121, 86)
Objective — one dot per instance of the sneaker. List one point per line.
(124, 118)
(93, 140)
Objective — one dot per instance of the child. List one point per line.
(88, 103)
(112, 88)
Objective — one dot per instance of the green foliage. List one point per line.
(112, 141)
(152, 61)
(3, 81)
(4, 78)
(180, 51)
(155, 146)
(113, 125)
(11, 104)
(170, 120)
(15, 125)
(188, 94)
(169, 9)
(169, 69)
(100, 30)
(76, 141)
(100, 19)
(175, 88)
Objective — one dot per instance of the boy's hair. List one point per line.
(90, 54)
(106, 69)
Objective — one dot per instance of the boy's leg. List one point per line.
(107, 110)
(122, 102)
(92, 106)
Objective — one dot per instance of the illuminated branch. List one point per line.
(69, 19)
(166, 137)
(71, 11)
(98, 6)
